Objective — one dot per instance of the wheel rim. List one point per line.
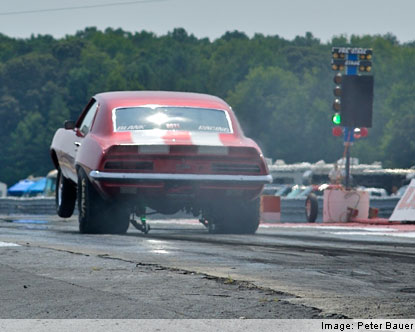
(60, 190)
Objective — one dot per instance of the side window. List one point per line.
(86, 123)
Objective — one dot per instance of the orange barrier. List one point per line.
(270, 209)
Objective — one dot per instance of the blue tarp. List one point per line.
(20, 187)
(36, 188)
(27, 188)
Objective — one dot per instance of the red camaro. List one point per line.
(167, 151)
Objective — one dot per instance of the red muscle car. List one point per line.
(167, 151)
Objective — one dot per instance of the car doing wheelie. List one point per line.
(168, 151)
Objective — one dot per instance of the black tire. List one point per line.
(235, 217)
(97, 216)
(117, 218)
(311, 207)
(65, 196)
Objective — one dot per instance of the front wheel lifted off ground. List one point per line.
(65, 196)
(97, 215)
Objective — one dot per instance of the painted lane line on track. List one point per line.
(353, 229)
(403, 234)
(348, 226)
(9, 244)
(378, 229)
(398, 234)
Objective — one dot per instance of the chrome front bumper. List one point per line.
(110, 176)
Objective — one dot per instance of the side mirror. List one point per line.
(69, 124)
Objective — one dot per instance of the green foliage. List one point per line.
(398, 142)
(281, 90)
(268, 104)
(26, 152)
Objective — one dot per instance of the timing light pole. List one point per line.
(354, 102)
(348, 141)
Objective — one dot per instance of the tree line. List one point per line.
(281, 90)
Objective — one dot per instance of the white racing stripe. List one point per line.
(8, 244)
(152, 141)
(155, 137)
(148, 137)
(207, 139)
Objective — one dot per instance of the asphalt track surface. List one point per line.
(178, 270)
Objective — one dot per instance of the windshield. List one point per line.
(171, 118)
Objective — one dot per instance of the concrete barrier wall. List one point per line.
(292, 209)
(35, 205)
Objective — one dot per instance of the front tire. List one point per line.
(65, 196)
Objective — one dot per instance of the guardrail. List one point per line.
(292, 209)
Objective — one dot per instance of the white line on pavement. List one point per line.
(8, 244)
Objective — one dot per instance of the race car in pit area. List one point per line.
(167, 151)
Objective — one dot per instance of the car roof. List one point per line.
(165, 98)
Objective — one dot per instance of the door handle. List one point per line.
(77, 144)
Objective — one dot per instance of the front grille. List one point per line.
(129, 165)
(235, 168)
